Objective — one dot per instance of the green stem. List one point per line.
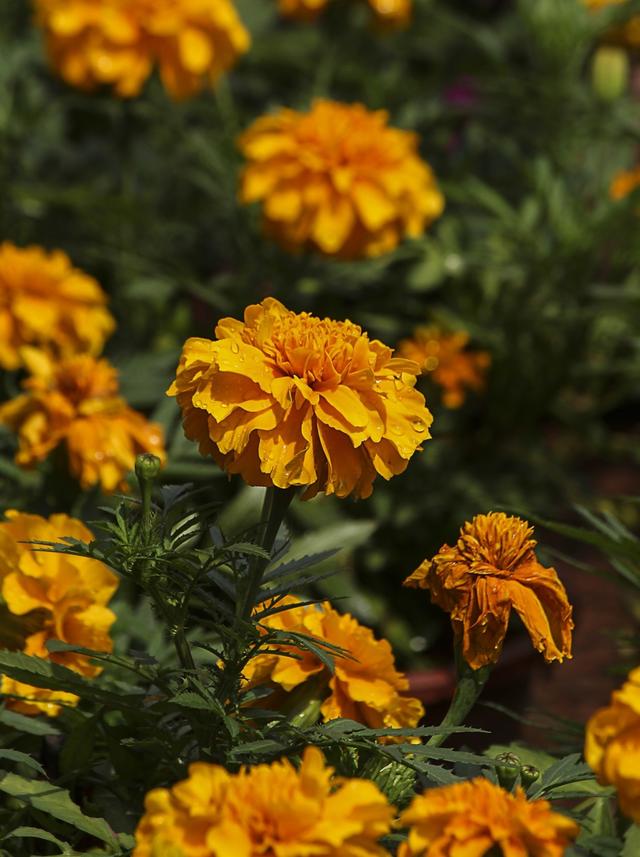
(276, 503)
(468, 689)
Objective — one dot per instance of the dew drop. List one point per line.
(235, 348)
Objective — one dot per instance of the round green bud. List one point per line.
(147, 466)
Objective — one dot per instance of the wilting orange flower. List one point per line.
(366, 686)
(469, 819)
(612, 745)
(118, 42)
(627, 34)
(265, 810)
(288, 399)
(338, 180)
(392, 12)
(443, 356)
(47, 303)
(57, 596)
(75, 403)
(492, 568)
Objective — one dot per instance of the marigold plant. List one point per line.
(612, 745)
(287, 399)
(387, 12)
(55, 596)
(473, 817)
(338, 180)
(116, 43)
(75, 404)
(445, 359)
(47, 303)
(491, 569)
(268, 809)
(366, 686)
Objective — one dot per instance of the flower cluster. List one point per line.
(365, 686)
(492, 568)
(115, 43)
(338, 180)
(395, 13)
(54, 596)
(288, 399)
(473, 817)
(265, 810)
(612, 745)
(47, 303)
(444, 357)
(74, 403)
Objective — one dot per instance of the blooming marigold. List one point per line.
(472, 817)
(624, 183)
(338, 180)
(443, 356)
(47, 303)
(57, 596)
(288, 399)
(612, 745)
(264, 810)
(75, 403)
(492, 568)
(395, 13)
(366, 686)
(118, 42)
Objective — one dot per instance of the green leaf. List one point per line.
(22, 759)
(631, 842)
(36, 833)
(57, 803)
(30, 725)
(566, 771)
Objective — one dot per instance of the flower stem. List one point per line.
(468, 689)
(276, 503)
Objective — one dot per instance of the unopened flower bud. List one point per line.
(507, 770)
(529, 774)
(147, 466)
(610, 72)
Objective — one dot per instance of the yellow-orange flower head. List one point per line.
(75, 403)
(338, 180)
(118, 42)
(47, 303)
(365, 686)
(627, 34)
(492, 568)
(55, 596)
(473, 817)
(612, 745)
(287, 399)
(445, 359)
(624, 183)
(263, 811)
(393, 13)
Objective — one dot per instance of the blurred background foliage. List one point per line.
(525, 130)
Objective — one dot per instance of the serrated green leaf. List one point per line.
(631, 842)
(30, 725)
(56, 802)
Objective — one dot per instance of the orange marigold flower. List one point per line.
(612, 745)
(47, 303)
(396, 13)
(627, 34)
(265, 810)
(75, 403)
(287, 399)
(443, 356)
(472, 817)
(624, 183)
(118, 42)
(57, 596)
(338, 180)
(366, 686)
(492, 568)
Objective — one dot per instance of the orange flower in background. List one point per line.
(627, 34)
(471, 818)
(118, 42)
(57, 596)
(366, 686)
(265, 810)
(287, 399)
(443, 356)
(47, 303)
(624, 183)
(75, 403)
(612, 745)
(392, 12)
(491, 569)
(338, 180)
